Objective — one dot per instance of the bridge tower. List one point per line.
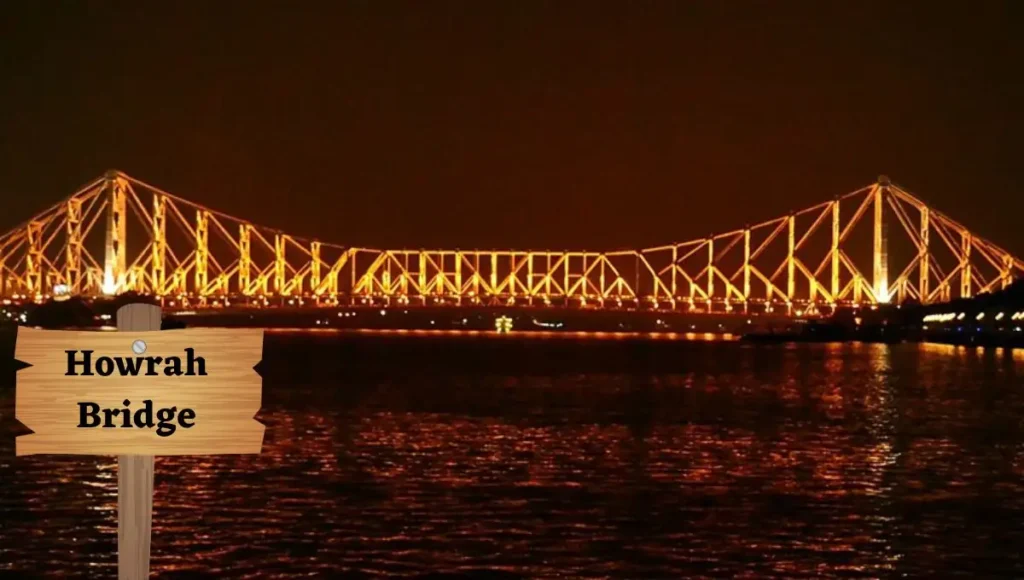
(114, 249)
(880, 282)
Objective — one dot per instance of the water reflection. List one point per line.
(824, 461)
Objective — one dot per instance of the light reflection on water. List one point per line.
(519, 335)
(799, 461)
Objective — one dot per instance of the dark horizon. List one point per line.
(534, 126)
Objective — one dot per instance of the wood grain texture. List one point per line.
(135, 475)
(225, 400)
(134, 515)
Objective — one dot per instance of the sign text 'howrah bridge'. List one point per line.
(119, 234)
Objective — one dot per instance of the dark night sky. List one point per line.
(489, 124)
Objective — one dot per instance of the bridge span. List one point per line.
(876, 245)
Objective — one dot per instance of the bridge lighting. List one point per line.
(503, 324)
(980, 316)
(382, 272)
(961, 316)
(882, 293)
(383, 312)
(109, 287)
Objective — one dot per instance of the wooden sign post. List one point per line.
(138, 393)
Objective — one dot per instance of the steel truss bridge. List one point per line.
(119, 234)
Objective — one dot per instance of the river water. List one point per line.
(569, 458)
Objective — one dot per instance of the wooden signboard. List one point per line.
(138, 393)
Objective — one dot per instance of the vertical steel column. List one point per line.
(924, 255)
(73, 247)
(512, 279)
(314, 268)
(790, 260)
(583, 276)
(354, 279)
(158, 255)
(476, 274)
(529, 276)
(34, 258)
(836, 233)
(711, 267)
(965, 265)
(711, 271)
(494, 274)
(202, 251)
(421, 275)
(675, 288)
(880, 284)
(244, 259)
(458, 277)
(114, 250)
(280, 265)
(565, 270)
(547, 278)
(747, 266)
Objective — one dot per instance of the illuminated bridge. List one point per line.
(875, 245)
